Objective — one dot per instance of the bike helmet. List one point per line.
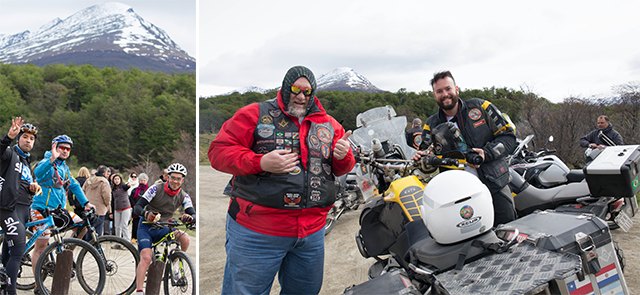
(62, 139)
(456, 206)
(28, 128)
(177, 168)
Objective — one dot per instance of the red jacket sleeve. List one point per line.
(231, 151)
(341, 167)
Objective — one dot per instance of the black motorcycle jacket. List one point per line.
(13, 188)
(593, 137)
(482, 126)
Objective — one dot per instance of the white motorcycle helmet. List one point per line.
(456, 206)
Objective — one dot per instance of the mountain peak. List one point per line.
(107, 34)
(345, 79)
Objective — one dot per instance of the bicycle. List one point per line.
(92, 282)
(120, 256)
(179, 268)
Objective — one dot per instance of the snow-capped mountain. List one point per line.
(345, 79)
(340, 79)
(108, 34)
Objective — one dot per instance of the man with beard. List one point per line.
(17, 187)
(485, 131)
(283, 154)
(53, 174)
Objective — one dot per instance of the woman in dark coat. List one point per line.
(136, 194)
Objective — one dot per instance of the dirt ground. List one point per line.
(344, 266)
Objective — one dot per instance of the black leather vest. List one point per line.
(301, 188)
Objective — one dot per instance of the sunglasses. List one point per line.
(176, 178)
(134, 176)
(297, 89)
(64, 148)
(31, 130)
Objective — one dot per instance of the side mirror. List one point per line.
(551, 138)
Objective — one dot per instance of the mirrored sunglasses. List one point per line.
(64, 148)
(297, 89)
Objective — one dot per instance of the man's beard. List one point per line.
(295, 111)
(440, 104)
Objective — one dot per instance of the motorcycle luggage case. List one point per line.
(614, 172)
(557, 232)
(396, 281)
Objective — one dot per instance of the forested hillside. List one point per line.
(567, 121)
(118, 118)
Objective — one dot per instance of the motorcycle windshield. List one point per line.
(381, 123)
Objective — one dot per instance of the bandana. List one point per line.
(292, 75)
(169, 191)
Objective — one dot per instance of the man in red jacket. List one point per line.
(283, 154)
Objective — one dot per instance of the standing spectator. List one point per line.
(134, 197)
(132, 182)
(83, 175)
(98, 192)
(121, 208)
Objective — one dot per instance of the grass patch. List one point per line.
(203, 147)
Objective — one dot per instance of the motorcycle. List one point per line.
(541, 181)
(410, 260)
(380, 131)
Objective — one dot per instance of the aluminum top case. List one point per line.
(614, 172)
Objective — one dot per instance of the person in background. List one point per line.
(132, 182)
(83, 175)
(143, 185)
(98, 192)
(121, 208)
(414, 134)
(606, 128)
(163, 177)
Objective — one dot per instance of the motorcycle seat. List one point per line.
(425, 250)
(575, 175)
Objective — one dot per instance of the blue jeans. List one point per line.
(253, 259)
(97, 224)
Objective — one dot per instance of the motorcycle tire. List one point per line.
(331, 221)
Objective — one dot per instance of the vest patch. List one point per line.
(292, 199)
(326, 151)
(265, 130)
(324, 135)
(315, 166)
(475, 114)
(479, 123)
(266, 120)
(282, 124)
(275, 113)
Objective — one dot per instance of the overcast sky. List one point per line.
(556, 48)
(176, 17)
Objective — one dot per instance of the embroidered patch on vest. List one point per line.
(475, 114)
(314, 142)
(325, 151)
(292, 199)
(282, 124)
(275, 113)
(265, 130)
(315, 166)
(479, 123)
(315, 196)
(324, 135)
(266, 120)
(327, 168)
(296, 171)
(315, 181)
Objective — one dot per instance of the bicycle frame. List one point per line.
(167, 241)
(48, 221)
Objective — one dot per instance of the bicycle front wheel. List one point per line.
(93, 269)
(121, 259)
(179, 274)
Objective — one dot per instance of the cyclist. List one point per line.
(163, 198)
(54, 176)
(16, 193)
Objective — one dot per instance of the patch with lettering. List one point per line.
(263, 150)
(266, 119)
(314, 196)
(324, 135)
(326, 151)
(265, 130)
(315, 166)
(479, 123)
(292, 199)
(475, 114)
(275, 113)
(283, 124)
(315, 181)
(314, 153)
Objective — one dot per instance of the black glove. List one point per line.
(186, 218)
